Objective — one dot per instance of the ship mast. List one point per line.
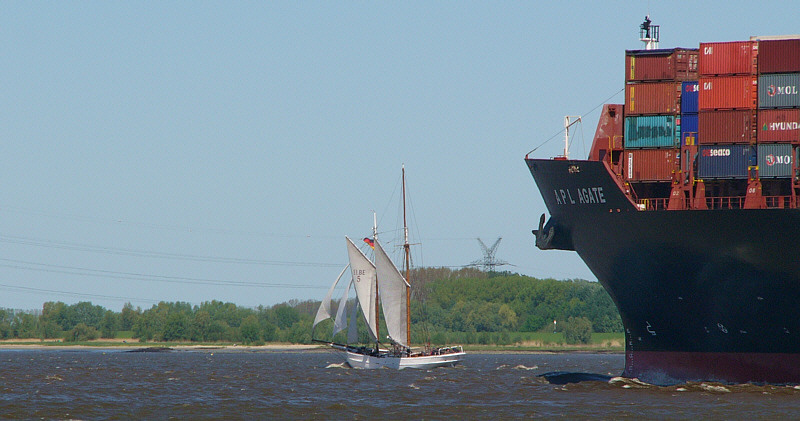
(569, 121)
(407, 263)
(648, 34)
(377, 299)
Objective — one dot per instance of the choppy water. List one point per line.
(315, 385)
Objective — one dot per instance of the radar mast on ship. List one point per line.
(648, 34)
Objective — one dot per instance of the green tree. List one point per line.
(285, 316)
(578, 330)
(217, 331)
(49, 330)
(269, 330)
(128, 317)
(251, 330)
(25, 325)
(201, 325)
(108, 325)
(81, 332)
(177, 327)
(83, 312)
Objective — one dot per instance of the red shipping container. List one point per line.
(726, 126)
(779, 125)
(728, 58)
(779, 56)
(677, 64)
(728, 92)
(652, 98)
(649, 164)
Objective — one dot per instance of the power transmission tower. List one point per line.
(489, 261)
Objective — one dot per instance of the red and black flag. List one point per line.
(369, 241)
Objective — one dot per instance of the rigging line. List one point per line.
(71, 270)
(153, 254)
(584, 114)
(155, 226)
(76, 294)
(386, 207)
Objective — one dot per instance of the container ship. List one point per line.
(686, 210)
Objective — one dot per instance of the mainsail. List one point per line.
(392, 288)
(364, 281)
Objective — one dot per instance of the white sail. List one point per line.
(340, 323)
(392, 288)
(324, 311)
(363, 272)
(352, 327)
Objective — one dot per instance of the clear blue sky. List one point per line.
(190, 151)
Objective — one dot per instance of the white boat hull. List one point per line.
(357, 360)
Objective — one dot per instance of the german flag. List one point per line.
(369, 241)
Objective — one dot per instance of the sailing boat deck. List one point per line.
(439, 357)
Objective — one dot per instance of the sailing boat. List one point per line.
(380, 284)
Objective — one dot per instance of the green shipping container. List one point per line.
(651, 131)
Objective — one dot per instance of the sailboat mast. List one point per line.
(377, 300)
(408, 264)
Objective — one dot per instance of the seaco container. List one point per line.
(724, 161)
(649, 164)
(727, 92)
(779, 56)
(652, 98)
(728, 58)
(689, 97)
(726, 126)
(689, 129)
(652, 65)
(781, 90)
(782, 125)
(775, 160)
(651, 131)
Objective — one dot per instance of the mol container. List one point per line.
(652, 65)
(652, 98)
(649, 164)
(782, 125)
(779, 56)
(727, 92)
(775, 160)
(651, 131)
(689, 97)
(724, 161)
(728, 58)
(779, 90)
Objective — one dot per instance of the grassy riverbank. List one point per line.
(539, 342)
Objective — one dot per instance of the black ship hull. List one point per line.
(703, 295)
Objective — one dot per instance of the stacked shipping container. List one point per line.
(727, 101)
(653, 101)
(778, 106)
(689, 108)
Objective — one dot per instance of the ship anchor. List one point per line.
(543, 238)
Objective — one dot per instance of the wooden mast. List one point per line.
(377, 299)
(408, 265)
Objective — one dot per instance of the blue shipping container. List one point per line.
(651, 131)
(775, 160)
(725, 161)
(688, 129)
(690, 94)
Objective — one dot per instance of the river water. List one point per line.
(95, 384)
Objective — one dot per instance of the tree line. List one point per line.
(467, 306)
